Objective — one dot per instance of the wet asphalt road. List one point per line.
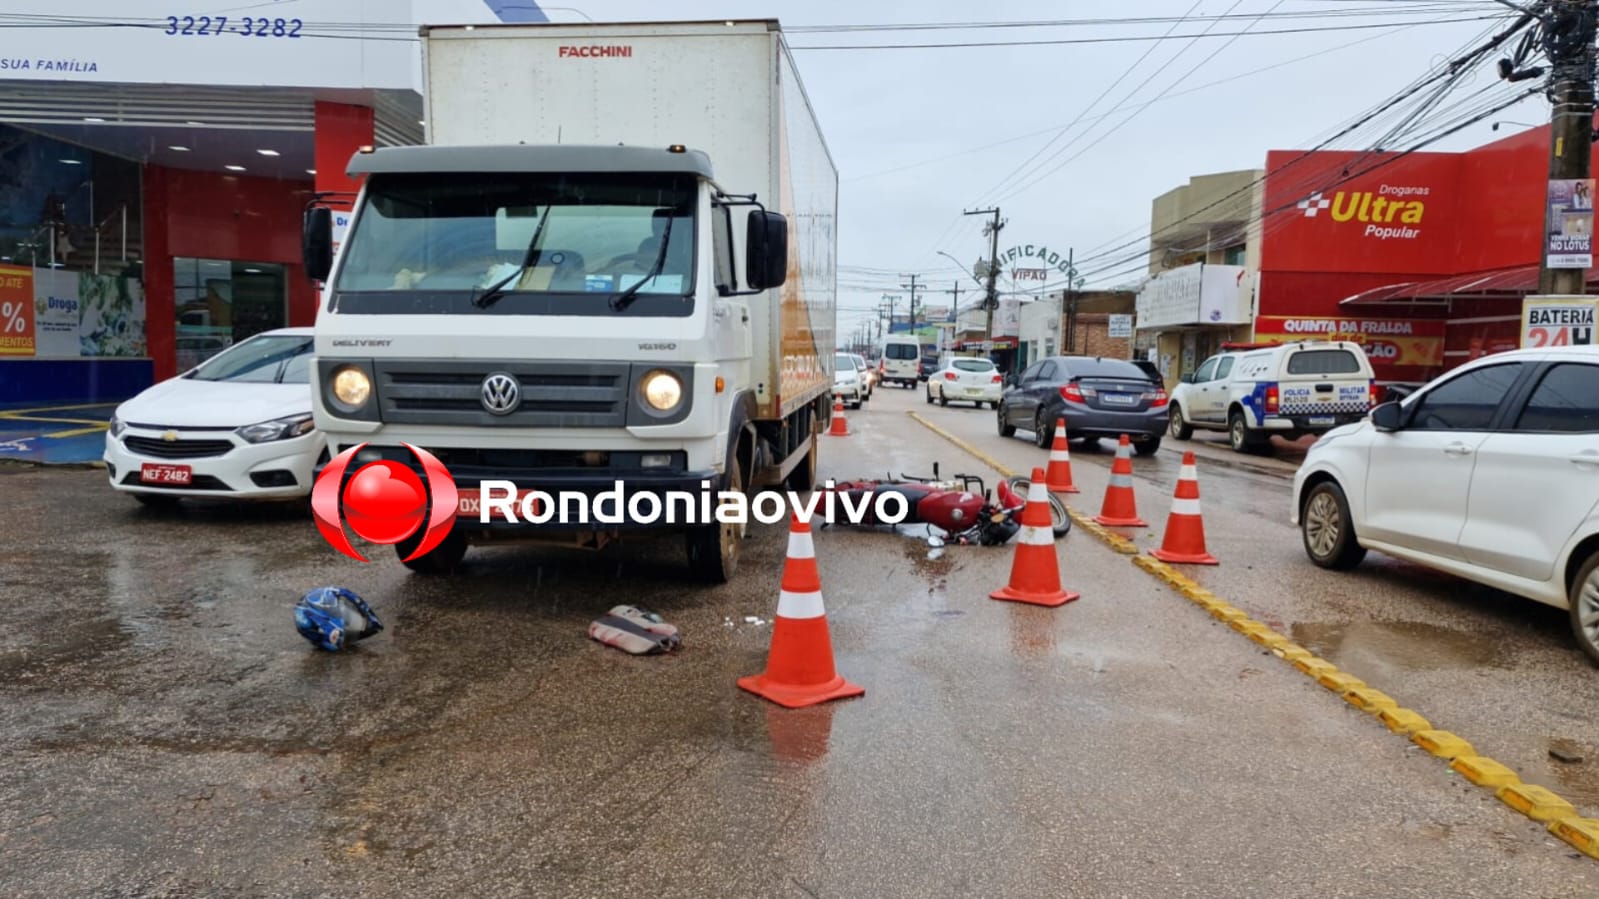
(167, 734)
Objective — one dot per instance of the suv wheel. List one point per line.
(1148, 447)
(1180, 428)
(1328, 534)
(1585, 608)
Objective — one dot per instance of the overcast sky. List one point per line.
(907, 127)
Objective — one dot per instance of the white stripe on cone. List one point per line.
(1059, 456)
(1121, 480)
(1037, 492)
(1185, 507)
(1032, 535)
(799, 605)
(1187, 473)
(801, 546)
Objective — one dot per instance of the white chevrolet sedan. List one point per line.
(966, 379)
(1489, 473)
(237, 426)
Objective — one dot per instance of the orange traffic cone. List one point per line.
(1185, 529)
(1035, 573)
(1121, 509)
(1059, 477)
(799, 667)
(840, 426)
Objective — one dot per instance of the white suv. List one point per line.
(1291, 390)
(1489, 473)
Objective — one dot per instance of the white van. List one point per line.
(901, 361)
(1308, 387)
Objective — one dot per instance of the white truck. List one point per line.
(612, 262)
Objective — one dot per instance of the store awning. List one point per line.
(1507, 282)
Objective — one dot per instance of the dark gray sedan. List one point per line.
(1098, 397)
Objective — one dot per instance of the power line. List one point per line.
(1055, 42)
(1097, 141)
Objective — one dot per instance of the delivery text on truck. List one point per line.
(619, 271)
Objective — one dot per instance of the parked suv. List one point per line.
(1489, 473)
(1098, 397)
(1290, 390)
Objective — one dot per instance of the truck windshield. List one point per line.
(431, 243)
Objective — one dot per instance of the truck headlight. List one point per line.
(277, 429)
(662, 390)
(351, 387)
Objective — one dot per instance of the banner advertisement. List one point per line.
(16, 311)
(1558, 321)
(1570, 224)
(55, 306)
(1388, 341)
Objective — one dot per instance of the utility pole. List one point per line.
(912, 286)
(991, 229)
(1071, 302)
(1569, 43)
(893, 301)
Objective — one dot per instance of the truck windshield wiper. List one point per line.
(496, 291)
(626, 297)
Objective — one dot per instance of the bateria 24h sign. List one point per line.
(1558, 321)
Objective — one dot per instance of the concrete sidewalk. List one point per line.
(71, 434)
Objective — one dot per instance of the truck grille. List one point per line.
(553, 394)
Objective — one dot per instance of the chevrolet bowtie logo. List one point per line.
(1314, 204)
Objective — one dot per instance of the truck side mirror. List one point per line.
(316, 242)
(766, 250)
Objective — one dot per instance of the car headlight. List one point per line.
(662, 390)
(351, 387)
(117, 426)
(277, 429)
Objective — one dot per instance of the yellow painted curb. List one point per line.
(1442, 743)
(1226, 612)
(1535, 802)
(1315, 667)
(1264, 635)
(1581, 833)
(1293, 653)
(1340, 682)
(1368, 700)
(1484, 771)
(1403, 721)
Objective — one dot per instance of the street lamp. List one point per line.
(1495, 125)
(963, 267)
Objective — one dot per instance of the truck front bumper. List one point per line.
(681, 496)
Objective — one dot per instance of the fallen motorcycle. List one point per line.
(965, 515)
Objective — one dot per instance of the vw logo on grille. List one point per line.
(500, 393)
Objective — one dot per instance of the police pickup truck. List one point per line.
(1309, 387)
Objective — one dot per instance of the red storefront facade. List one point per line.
(1425, 257)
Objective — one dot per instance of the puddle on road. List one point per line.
(1402, 645)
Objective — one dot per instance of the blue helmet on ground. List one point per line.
(332, 617)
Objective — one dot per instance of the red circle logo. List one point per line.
(384, 502)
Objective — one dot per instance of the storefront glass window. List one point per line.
(220, 302)
(70, 243)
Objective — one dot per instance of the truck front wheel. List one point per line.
(713, 548)
(442, 559)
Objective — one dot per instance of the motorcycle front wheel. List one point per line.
(1060, 519)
